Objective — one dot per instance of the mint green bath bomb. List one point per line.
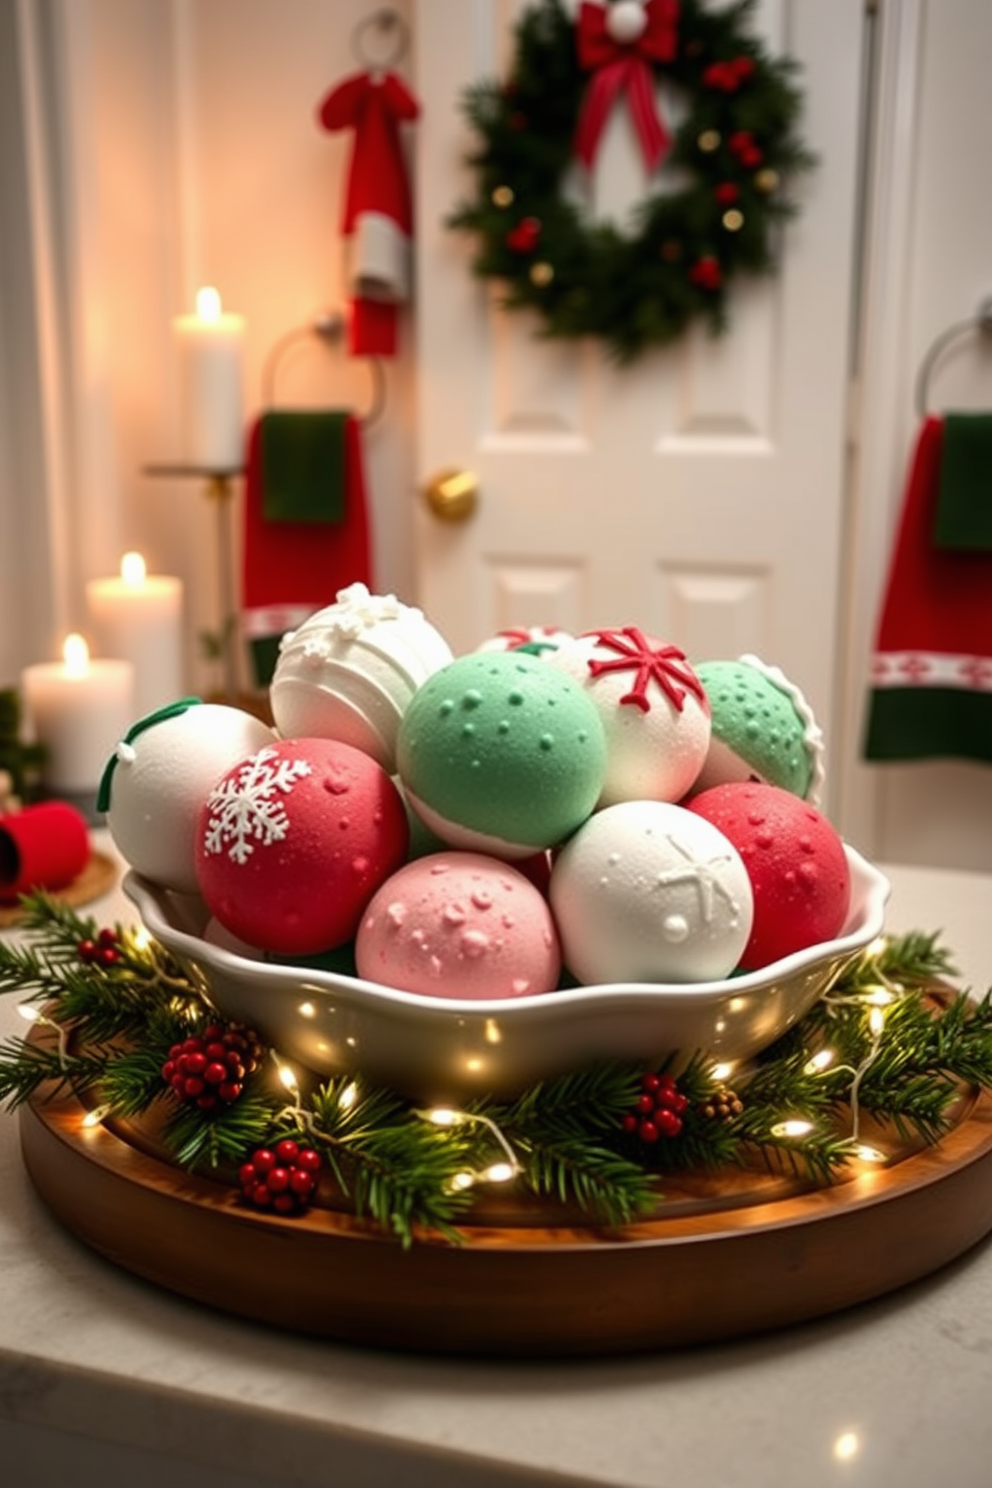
(500, 753)
(762, 729)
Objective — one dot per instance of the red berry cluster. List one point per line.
(282, 1179)
(104, 951)
(727, 77)
(659, 1109)
(209, 1071)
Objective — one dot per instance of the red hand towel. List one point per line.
(291, 569)
(931, 681)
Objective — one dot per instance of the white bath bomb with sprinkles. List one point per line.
(653, 708)
(501, 754)
(350, 671)
(459, 925)
(158, 777)
(639, 895)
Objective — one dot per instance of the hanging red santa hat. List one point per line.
(377, 222)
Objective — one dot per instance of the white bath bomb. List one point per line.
(653, 707)
(639, 895)
(350, 670)
(160, 775)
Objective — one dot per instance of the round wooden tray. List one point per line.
(728, 1254)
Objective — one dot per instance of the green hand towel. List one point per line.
(303, 466)
(963, 519)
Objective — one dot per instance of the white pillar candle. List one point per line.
(78, 710)
(210, 346)
(137, 616)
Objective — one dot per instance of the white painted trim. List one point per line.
(48, 250)
(885, 411)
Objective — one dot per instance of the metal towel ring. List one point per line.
(981, 321)
(391, 26)
(329, 326)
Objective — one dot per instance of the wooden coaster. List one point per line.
(96, 879)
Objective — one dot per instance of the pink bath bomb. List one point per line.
(799, 872)
(459, 925)
(294, 841)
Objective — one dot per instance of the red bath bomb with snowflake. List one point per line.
(799, 872)
(293, 842)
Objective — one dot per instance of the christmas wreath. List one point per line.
(731, 155)
(126, 1029)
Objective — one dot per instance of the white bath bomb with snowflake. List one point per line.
(653, 707)
(158, 776)
(350, 670)
(639, 895)
(293, 842)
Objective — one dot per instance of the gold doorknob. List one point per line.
(452, 495)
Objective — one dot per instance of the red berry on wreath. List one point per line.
(523, 238)
(727, 193)
(706, 273)
(284, 1180)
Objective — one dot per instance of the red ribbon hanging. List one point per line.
(624, 67)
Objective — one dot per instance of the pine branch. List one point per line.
(26, 1067)
(396, 1166)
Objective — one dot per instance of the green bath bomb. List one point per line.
(500, 753)
(762, 729)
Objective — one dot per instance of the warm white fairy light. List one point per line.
(501, 1172)
(867, 1154)
(721, 1072)
(793, 1127)
(95, 1116)
(32, 1014)
(348, 1096)
(288, 1077)
(821, 1060)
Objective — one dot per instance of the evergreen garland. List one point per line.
(732, 156)
(116, 1006)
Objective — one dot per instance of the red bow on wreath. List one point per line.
(617, 44)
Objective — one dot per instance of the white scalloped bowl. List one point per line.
(441, 1050)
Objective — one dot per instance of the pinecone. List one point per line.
(209, 1070)
(722, 1105)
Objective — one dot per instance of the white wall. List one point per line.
(172, 143)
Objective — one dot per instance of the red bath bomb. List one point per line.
(796, 863)
(293, 842)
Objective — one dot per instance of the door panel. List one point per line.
(699, 492)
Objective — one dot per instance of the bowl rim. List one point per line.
(874, 887)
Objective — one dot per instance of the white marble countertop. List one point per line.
(105, 1380)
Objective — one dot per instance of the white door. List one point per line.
(697, 493)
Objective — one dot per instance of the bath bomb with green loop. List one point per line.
(500, 753)
(762, 729)
(158, 776)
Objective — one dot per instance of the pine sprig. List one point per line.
(878, 1043)
(390, 1160)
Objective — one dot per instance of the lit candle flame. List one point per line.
(133, 570)
(208, 303)
(76, 655)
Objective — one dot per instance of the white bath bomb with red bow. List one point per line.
(653, 707)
